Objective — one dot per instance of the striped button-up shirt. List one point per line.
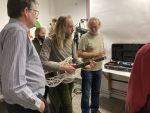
(23, 79)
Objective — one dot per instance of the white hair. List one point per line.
(96, 19)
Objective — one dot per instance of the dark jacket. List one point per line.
(37, 45)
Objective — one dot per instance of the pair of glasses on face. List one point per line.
(71, 27)
(36, 12)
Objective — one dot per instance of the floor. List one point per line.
(111, 105)
(106, 105)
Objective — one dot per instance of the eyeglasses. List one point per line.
(36, 12)
(71, 27)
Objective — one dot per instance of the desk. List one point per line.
(108, 73)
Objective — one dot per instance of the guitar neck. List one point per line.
(88, 62)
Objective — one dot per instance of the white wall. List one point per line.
(75, 8)
(3, 12)
(52, 7)
(43, 18)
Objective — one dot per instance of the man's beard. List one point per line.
(41, 38)
(67, 35)
(68, 39)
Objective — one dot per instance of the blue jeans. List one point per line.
(91, 80)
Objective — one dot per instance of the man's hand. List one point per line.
(92, 64)
(100, 53)
(68, 68)
(41, 110)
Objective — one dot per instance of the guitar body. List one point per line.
(60, 76)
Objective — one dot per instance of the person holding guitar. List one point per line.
(91, 46)
(56, 48)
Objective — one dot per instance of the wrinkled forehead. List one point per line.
(42, 30)
(69, 22)
(93, 23)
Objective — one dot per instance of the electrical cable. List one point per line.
(77, 91)
(84, 25)
(77, 23)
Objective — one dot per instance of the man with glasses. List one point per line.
(36, 12)
(57, 48)
(23, 79)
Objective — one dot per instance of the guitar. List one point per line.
(56, 80)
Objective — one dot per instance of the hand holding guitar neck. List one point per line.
(65, 66)
(101, 53)
(68, 68)
(92, 64)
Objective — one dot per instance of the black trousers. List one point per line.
(46, 91)
(15, 108)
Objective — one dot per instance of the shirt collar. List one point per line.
(12, 20)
